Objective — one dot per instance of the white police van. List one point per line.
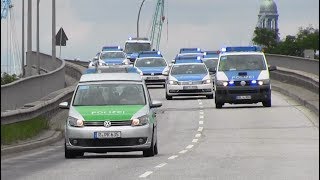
(242, 77)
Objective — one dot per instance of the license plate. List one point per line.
(243, 97)
(153, 78)
(190, 87)
(107, 134)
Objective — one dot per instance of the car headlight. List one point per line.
(207, 81)
(264, 82)
(126, 62)
(140, 121)
(75, 122)
(173, 82)
(222, 83)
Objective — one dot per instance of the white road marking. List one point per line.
(161, 165)
(201, 106)
(201, 112)
(201, 117)
(195, 140)
(200, 122)
(200, 103)
(199, 100)
(198, 135)
(183, 151)
(189, 146)
(200, 129)
(144, 175)
(173, 157)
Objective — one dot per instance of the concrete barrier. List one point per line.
(26, 90)
(46, 106)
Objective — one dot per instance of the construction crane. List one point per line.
(5, 5)
(158, 19)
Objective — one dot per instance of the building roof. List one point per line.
(268, 6)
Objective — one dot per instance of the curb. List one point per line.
(305, 103)
(57, 135)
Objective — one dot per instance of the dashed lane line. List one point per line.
(200, 122)
(189, 146)
(146, 174)
(197, 135)
(195, 140)
(173, 157)
(183, 151)
(161, 165)
(200, 129)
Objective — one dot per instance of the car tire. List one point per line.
(168, 97)
(210, 96)
(150, 151)
(156, 149)
(267, 102)
(219, 105)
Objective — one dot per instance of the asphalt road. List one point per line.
(196, 141)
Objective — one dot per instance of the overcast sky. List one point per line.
(208, 24)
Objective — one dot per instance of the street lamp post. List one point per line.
(139, 18)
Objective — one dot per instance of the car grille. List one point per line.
(237, 83)
(189, 82)
(153, 74)
(243, 91)
(113, 123)
(108, 142)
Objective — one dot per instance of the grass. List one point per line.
(11, 133)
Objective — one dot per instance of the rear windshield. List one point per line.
(109, 94)
(151, 62)
(241, 63)
(112, 55)
(189, 69)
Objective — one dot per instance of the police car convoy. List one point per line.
(111, 108)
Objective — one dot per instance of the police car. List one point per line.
(111, 113)
(114, 57)
(210, 59)
(189, 79)
(242, 77)
(152, 68)
(149, 54)
(189, 50)
(135, 45)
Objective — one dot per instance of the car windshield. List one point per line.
(210, 63)
(131, 47)
(189, 69)
(241, 63)
(112, 55)
(109, 94)
(150, 62)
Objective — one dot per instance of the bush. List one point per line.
(7, 78)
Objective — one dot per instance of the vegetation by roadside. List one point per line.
(11, 133)
(7, 78)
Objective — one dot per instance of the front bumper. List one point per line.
(132, 138)
(155, 79)
(185, 90)
(240, 94)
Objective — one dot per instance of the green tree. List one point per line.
(7, 78)
(308, 38)
(266, 38)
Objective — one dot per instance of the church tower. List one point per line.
(268, 15)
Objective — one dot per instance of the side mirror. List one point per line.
(173, 60)
(155, 104)
(272, 68)
(64, 105)
(96, 58)
(165, 73)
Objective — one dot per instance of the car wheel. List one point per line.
(219, 105)
(168, 97)
(150, 151)
(267, 103)
(210, 96)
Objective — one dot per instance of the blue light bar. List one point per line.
(111, 48)
(150, 54)
(190, 50)
(243, 49)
